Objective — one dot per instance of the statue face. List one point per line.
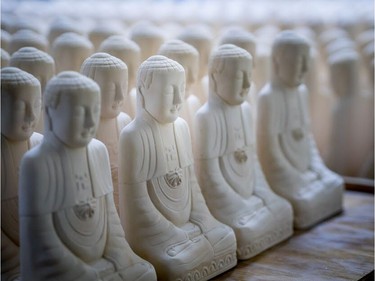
(292, 66)
(132, 65)
(164, 96)
(233, 83)
(191, 66)
(20, 112)
(76, 117)
(204, 53)
(113, 85)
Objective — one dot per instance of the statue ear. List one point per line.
(48, 119)
(141, 98)
(275, 64)
(214, 81)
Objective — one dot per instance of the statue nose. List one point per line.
(177, 97)
(246, 82)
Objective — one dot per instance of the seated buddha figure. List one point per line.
(162, 209)
(286, 147)
(20, 109)
(111, 74)
(228, 170)
(69, 227)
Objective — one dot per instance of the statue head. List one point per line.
(148, 37)
(290, 57)
(70, 50)
(72, 108)
(200, 37)
(40, 64)
(111, 74)
(230, 69)
(27, 38)
(184, 54)
(160, 88)
(344, 71)
(240, 37)
(126, 50)
(20, 103)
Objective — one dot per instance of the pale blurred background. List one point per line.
(340, 79)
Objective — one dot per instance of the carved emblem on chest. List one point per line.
(240, 155)
(297, 134)
(174, 178)
(87, 205)
(85, 210)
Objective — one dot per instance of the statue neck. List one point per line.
(16, 148)
(107, 130)
(276, 82)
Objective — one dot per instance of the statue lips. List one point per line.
(116, 105)
(88, 133)
(27, 128)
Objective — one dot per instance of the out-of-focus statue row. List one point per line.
(169, 169)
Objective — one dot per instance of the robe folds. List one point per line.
(62, 237)
(163, 212)
(9, 209)
(232, 180)
(290, 158)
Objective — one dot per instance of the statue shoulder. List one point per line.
(122, 120)
(268, 92)
(97, 147)
(35, 139)
(39, 167)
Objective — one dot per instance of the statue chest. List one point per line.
(83, 226)
(237, 164)
(293, 139)
(171, 192)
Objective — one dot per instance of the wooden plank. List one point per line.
(359, 184)
(341, 248)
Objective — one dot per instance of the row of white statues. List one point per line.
(340, 107)
(187, 213)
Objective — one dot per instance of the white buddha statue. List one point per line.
(188, 57)
(162, 208)
(20, 108)
(201, 38)
(27, 38)
(129, 52)
(228, 170)
(352, 134)
(40, 65)
(69, 227)
(111, 74)
(286, 147)
(69, 50)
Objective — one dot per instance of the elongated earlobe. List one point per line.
(275, 65)
(214, 82)
(140, 98)
(47, 119)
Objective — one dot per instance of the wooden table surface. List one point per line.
(341, 248)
